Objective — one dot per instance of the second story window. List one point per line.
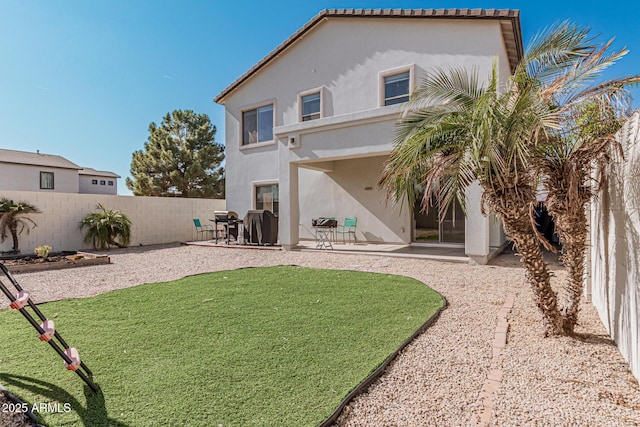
(310, 107)
(257, 125)
(46, 181)
(396, 88)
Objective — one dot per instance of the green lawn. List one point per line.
(253, 347)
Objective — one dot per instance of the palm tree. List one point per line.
(106, 228)
(13, 220)
(456, 130)
(566, 163)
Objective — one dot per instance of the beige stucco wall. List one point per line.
(154, 219)
(351, 190)
(86, 186)
(615, 247)
(27, 178)
(345, 57)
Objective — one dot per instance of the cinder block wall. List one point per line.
(154, 220)
(615, 247)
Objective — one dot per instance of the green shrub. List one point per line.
(106, 228)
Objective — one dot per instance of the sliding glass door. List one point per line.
(427, 228)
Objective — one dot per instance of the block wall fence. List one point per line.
(154, 220)
(614, 254)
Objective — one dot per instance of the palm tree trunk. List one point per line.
(516, 218)
(14, 235)
(539, 278)
(572, 230)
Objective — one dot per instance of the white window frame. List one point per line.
(411, 68)
(247, 108)
(320, 90)
(254, 192)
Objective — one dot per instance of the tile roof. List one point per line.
(36, 159)
(509, 23)
(93, 172)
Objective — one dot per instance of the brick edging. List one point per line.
(494, 377)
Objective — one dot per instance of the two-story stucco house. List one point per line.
(26, 171)
(309, 127)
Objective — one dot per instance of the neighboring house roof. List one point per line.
(93, 172)
(509, 23)
(36, 159)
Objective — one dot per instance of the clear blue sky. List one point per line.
(83, 79)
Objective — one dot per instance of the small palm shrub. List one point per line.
(13, 220)
(106, 228)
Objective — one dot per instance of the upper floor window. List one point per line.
(257, 125)
(396, 88)
(46, 181)
(310, 106)
(94, 181)
(110, 182)
(103, 182)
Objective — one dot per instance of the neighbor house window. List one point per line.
(102, 182)
(110, 183)
(310, 106)
(257, 125)
(46, 180)
(396, 88)
(94, 181)
(267, 198)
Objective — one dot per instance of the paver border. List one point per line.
(482, 418)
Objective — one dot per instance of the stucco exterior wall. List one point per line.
(27, 178)
(351, 190)
(345, 56)
(345, 59)
(154, 220)
(87, 186)
(615, 247)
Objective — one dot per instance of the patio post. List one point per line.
(288, 221)
(477, 228)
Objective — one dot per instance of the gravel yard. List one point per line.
(437, 379)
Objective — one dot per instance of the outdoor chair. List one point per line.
(203, 230)
(348, 228)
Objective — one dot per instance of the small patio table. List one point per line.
(323, 237)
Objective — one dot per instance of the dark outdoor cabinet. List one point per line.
(260, 228)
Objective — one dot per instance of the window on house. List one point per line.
(310, 107)
(396, 88)
(267, 198)
(94, 181)
(110, 182)
(46, 181)
(257, 125)
(102, 182)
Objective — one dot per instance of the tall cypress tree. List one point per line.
(180, 158)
